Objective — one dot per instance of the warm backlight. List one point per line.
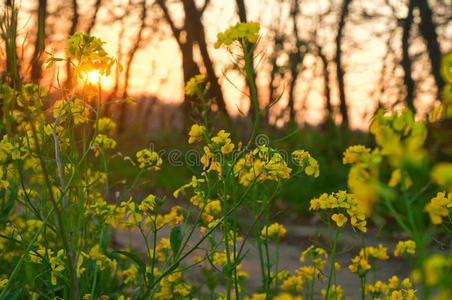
(94, 76)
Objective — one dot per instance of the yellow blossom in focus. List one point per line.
(340, 219)
(196, 133)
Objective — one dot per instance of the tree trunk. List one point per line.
(10, 26)
(338, 59)
(295, 59)
(329, 121)
(428, 31)
(36, 68)
(130, 57)
(94, 17)
(406, 60)
(75, 18)
(195, 29)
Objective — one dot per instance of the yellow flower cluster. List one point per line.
(248, 32)
(360, 264)
(55, 261)
(148, 205)
(196, 133)
(363, 175)
(400, 137)
(172, 218)
(76, 111)
(355, 154)
(380, 253)
(394, 288)
(435, 268)
(174, 287)
(318, 257)
(307, 163)
(439, 207)
(102, 143)
(223, 142)
(293, 283)
(339, 204)
(193, 85)
(31, 96)
(262, 164)
(281, 296)
(106, 126)
(402, 247)
(274, 231)
(442, 174)
(149, 160)
(336, 293)
(102, 261)
(89, 54)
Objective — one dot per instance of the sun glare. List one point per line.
(94, 76)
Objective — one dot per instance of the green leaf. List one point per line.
(210, 279)
(135, 258)
(176, 239)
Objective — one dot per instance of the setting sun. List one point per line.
(93, 76)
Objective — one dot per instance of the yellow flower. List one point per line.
(372, 252)
(354, 154)
(439, 207)
(106, 126)
(196, 133)
(103, 142)
(129, 275)
(246, 32)
(147, 206)
(442, 174)
(260, 296)
(192, 86)
(148, 159)
(293, 284)
(306, 162)
(275, 231)
(408, 246)
(396, 178)
(340, 219)
(336, 293)
(434, 267)
(286, 296)
(77, 110)
(359, 265)
(3, 283)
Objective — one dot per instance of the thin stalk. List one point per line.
(15, 272)
(333, 258)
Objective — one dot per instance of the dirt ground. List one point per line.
(298, 238)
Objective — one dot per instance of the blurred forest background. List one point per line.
(323, 68)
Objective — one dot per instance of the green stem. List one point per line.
(333, 259)
(16, 270)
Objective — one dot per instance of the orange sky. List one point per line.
(157, 67)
